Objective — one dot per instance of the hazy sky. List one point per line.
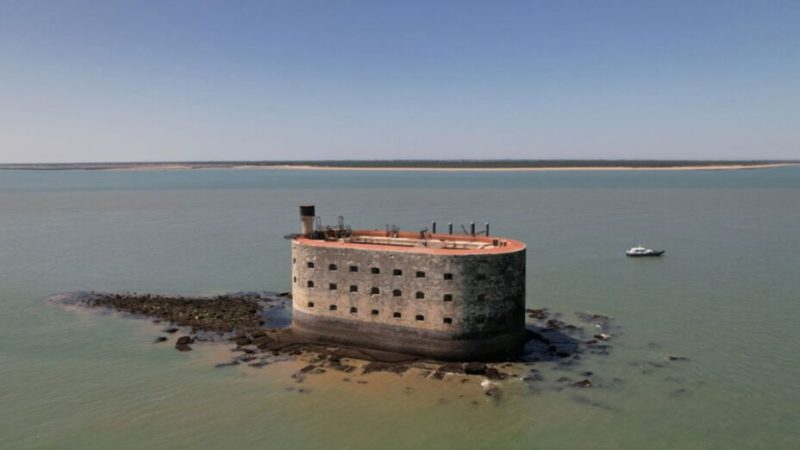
(112, 80)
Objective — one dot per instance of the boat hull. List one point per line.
(645, 255)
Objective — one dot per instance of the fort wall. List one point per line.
(453, 304)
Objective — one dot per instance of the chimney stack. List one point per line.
(307, 219)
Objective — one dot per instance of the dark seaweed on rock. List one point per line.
(218, 314)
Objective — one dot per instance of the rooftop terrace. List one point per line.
(415, 242)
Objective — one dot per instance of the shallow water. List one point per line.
(726, 295)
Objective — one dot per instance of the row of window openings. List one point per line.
(395, 293)
(375, 312)
(377, 270)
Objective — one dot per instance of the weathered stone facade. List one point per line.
(456, 304)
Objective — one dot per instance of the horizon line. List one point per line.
(681, 161)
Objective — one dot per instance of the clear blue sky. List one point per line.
(192, 80)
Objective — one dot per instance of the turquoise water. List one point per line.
(727, 296)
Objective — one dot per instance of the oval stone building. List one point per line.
(443, 296)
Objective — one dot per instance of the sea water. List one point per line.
(726, 296)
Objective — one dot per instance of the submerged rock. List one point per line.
(584, 383)
(243, 340)
(381, 366)
(308, 368)
(491, 389)
(533, 377)
(182, 344)
(494, 374)
(437, 375)
(451, 368)
(227, 364)
(475, 368)
(539, 314)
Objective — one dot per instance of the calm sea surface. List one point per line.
(726, 295)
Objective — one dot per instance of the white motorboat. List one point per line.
(641, 251)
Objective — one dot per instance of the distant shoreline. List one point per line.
(419, 165)
(525, 169)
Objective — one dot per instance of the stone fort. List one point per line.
(439, 295)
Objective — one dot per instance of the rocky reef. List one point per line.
(257, 327)
(222, 313)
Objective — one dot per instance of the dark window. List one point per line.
(375, 270)
(332, 267)
(448, 297)
(374, 312)
(332, 307)
(420, 274)
(353, 310)
(481, 276)
(448, 276)
(420, 295)
(374, 291)
(353, 268)
(397, 292)
(310, 265)
(332, 286)
(420, 317)
(481, 297)
(295, 279)
(310, 304)
(396, 315)
(310, 283)
(294, 260)
(397, 272)
(448, 321)
(353, 288)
